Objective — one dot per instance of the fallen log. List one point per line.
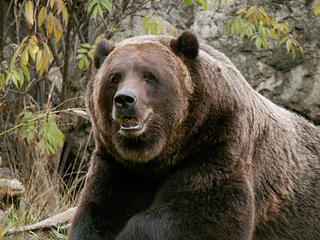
(61, 218)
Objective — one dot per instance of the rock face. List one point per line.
(294, 84)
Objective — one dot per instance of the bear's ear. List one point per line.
(102, 51)
(186, 44)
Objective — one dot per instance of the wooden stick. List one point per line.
(60, 218)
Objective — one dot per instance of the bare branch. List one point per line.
(58, 219)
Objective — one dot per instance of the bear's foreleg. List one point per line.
(193, 211)
(108, 201)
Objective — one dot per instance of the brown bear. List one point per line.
(187, 150)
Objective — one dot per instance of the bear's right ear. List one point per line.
(186, 44)
(102, 51)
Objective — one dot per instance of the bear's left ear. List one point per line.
(186, 44)
(102, 51)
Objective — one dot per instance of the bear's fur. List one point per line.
(187, 150)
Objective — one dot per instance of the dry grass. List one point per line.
(46, 195)
(47, 192)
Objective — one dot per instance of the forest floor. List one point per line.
(46, 194)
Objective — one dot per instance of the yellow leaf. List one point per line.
(24, 57)
(59, 6)
(65, 15)
(50, 24)
(33, 39)
(42, 16)
(14, 78)
(33, 50)
(316, 10)
(52, 3)
(26, 73)
(57, 29)
(26, 39)
(45, 63)
(28, 8)
(48, 52)
(39, 60)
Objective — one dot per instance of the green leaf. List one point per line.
(53, 135)
(94, 13)
(283, 40)
(159, 25)
(14, 78)
(86, 45)
(258, 43)
(79, 56)
(242, 11)
(218, 2)
(81, 50)
(28, 130)
(2, 80)
(41, 146)
(81, 63)
(273, 34)
(153, 28)
(87, 64)
(265, 43)
(28, 8)
(100, 11)
(293, 52)
(26, 72)
(91, 4)
(242, 34)
(91, 53)
(316, 10)
(106, 4)
(20, 76)
(301, 49)
(24, 57)
(146, 22)
(204, 4)
(17, 53)
(186, 2)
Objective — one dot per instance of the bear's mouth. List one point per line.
(133, 126)
(131, 123)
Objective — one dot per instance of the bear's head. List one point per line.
(140, 94)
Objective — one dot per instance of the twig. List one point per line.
(69, 110)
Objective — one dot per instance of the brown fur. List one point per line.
(215, 161)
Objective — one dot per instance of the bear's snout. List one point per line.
(130, 115)
(125, 101)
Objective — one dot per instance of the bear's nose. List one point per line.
(125, 100)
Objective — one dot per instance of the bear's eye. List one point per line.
(149, 77)
(115, 78)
